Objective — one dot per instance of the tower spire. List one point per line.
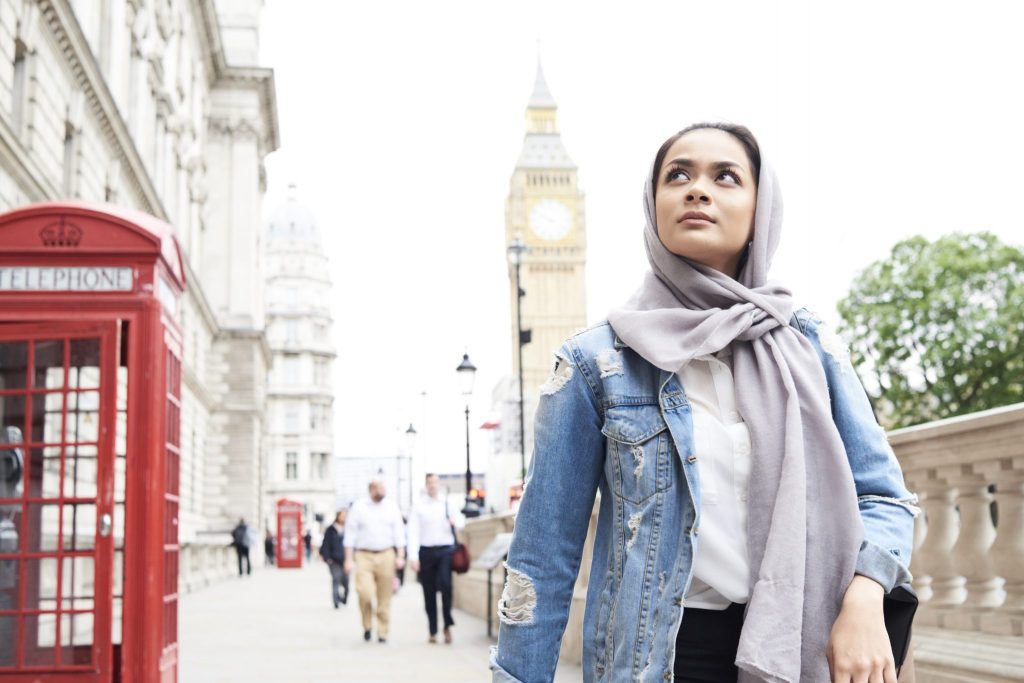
(541, 98)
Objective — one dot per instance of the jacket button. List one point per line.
(667, 676)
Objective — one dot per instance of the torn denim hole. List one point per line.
(518, 599)
(661, 582)
(638, 458)
(609, 362)
(559, 377)
(833, 346)
(634, 528)
(906, 503)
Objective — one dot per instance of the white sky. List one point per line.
(401, 123)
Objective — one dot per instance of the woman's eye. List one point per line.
(729, 174)
(677, 174)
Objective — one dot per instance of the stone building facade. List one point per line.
(158, 105)
(300, 393)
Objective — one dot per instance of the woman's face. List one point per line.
(705, 198)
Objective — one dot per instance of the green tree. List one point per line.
(937, 328)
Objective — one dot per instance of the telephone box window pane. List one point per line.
(83, 423)
(115, 617)
(79, 526)
(49, 363)
(80, 472)
(122, 387)
(12, 466)
(46, 418)
(10, 535)
(8, 638)
(84, 372)
(40, 639)
(44, 472)
(76, 638)
(13, 365)
(43, 527)
(78, 583)
(121, 434)
(41, 583)
(118, 573)
(8, 584)
(12, 418)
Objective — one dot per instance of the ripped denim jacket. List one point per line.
(601, 404)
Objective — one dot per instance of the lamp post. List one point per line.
(516, 249)
(467, 372)
(410, 447)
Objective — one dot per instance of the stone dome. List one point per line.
(293, 221)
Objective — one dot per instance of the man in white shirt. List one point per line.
(373, 535)
(431, 544)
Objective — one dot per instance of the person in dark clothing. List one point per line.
(333, 551)
(268, 547)
(240, 540)
(307, 539)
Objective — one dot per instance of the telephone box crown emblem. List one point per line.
(61, 234)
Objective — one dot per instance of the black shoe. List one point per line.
(382, 640)
(366, 636)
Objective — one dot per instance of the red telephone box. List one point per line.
(90, 387)
(289, 534)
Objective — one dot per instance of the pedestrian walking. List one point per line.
(431, 534)
(374, 549)
(240, 541)
(708, 407)
(332, 550)
(307, 541)
(268, 548)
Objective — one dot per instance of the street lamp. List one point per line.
(410, 446)
(467, 373)
(516, 250)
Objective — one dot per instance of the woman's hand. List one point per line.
(858, 648)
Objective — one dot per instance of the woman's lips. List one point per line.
(695, 221)
(696, 218)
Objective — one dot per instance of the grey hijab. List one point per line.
(804, 529)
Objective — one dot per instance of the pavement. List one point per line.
(279, 626)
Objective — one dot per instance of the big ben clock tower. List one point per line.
(545, 210)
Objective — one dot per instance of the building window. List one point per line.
(291, 466)
(321, 465)
(18, 98)
(69, 159)
(292, 331)
(291, 419)
(291, 368)
(320, 371)
(319, 416)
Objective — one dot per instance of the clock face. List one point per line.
(550, 219)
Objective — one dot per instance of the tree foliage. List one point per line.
(937, 328)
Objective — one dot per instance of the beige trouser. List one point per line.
(375, 575)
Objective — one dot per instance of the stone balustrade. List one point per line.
(968, 561)
(208, 559)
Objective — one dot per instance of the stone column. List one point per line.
(936, 552)
(971, 556)
(1008, 550)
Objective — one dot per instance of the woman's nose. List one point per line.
(696, 193)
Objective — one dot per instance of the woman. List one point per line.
(752, 514)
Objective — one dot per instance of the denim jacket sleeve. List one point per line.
(551, 524)
(887, 508)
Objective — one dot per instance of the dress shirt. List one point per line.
(429, 526)
(721, 566)
(374, 526)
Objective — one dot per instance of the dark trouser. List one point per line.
(339, 579)
(436, 575)
(243, 553)
(706, 645)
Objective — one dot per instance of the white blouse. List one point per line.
(721, 567)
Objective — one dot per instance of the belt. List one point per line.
(367, 550)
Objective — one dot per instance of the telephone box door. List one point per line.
(57, 416)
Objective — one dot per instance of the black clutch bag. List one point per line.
(899, 607)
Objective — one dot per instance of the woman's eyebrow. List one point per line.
(716, 164)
